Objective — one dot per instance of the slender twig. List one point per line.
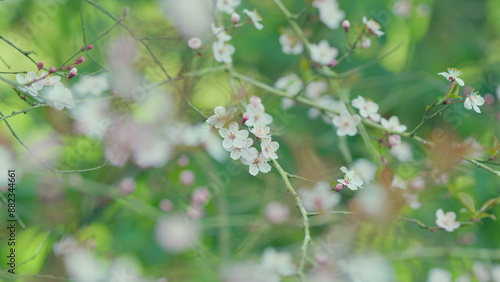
(16, 216)
(25, 53)
(23, 111)
(305, 219)
(430, 252)
(427, 117)
(485, 167)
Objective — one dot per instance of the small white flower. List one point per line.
(367, 109)
(237, 152)
(233, 136)
(351, 179)
(223, 52)
(256, 161)
(49, 80)
(366, 169)
(366, 43)
(269, 148)
(257, 116)
(473, 101)
(220, 33)
(393, 124)
(452, 75)
(346, 124)
(373, 27)
(254, 18)
(315, 89)
(447, 220)
(194, 43)
(221, 116)
(227, 5)
(291, 84)
(235, 18)
(60, 97)
(260, 131)
(321, 198)
(290, 44)
(32, 88)
(279, 262)
(331, 15)
(91, 84)
(323, 54)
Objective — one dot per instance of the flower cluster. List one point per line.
(58, 96)
(222, 50)
(236, 140)
(351, 180)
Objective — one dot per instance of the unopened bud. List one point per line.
(40, 65)
(72, 73)
(338, 187)
(394, 140)
(90, 46)
(235, 18)
(244, 118)
(194, 43)
(346, 25)
(52, 69)
(79, 60)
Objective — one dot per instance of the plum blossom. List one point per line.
(223, 52)
(351, 179)
(176, 233)
(290, 44)
(60, 97)
(256, 161)
(346, 124)
(279, 262)
(31, 79)
(329, 13)
(366, 43)
(452, 75)
(393, 124)
(320, 198)
(373, 27)
(291, 83)
(227, 5)
(260, 131)
(276, 212)
(367, 109)
(255, 113)
(269, 148)
(233, 136)
(323, 54)
(236, 152)
(254, 18)
(447, 220)
(315, 89)
(473, 101)
(49, 80)
(366, 169)
(220, 33)
(221, 116)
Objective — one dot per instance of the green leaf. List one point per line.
(483, 215)
(491, 203)
(468, 202)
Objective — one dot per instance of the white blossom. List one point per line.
(227, 5)
(291, 83)
(351, 179)
(373, 27)
(28, 83)
(323, 54)
(261, 131)
(60, 97)
(279, 262)
(452, 75)
(447, 220)
(254, 18)
(233, 136)
(221, 116)
(346, 124)
(367, 109)
(256, 161)
(473, 101)
(393, 124)
(223, 52)
(269, 148)
(290, 44)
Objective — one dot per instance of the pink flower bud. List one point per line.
(40, 65)
(394, 140)
(277, 212)
(127, 185)
(235, 18)
(187, 177)
(166, 205)
(245, 117)
(79, 60)
(52, 69)
(338, 187)
(195, 212)
(346, 25)
(194, 43)
(90, 47)
(255, 101)
(200, 196)
(72, 73)
(489, 99)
